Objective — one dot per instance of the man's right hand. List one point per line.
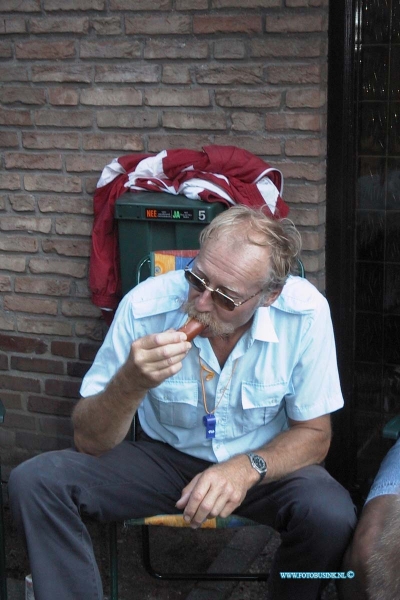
(153, 358)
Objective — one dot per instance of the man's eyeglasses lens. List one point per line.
(217, 296)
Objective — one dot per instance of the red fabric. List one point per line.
(241, 168)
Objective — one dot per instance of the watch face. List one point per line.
(259, 463)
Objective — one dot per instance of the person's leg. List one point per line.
(368, 541)
(315, 517)
(50, 493)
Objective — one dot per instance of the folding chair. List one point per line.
(157, 263)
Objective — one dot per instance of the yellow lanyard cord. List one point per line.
(209, 376)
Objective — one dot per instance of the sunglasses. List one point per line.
(217, 296)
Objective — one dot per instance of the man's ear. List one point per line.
(270, 299)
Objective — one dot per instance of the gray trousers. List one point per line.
(49, 493)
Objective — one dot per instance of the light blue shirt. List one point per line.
(284, 366)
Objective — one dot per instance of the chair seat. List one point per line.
(178, 521)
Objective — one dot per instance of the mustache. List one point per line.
(216, 327)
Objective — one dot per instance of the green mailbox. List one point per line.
(149, 221)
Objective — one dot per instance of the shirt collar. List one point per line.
(262, 328)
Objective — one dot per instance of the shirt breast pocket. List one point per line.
(261, 403)
(175, 404)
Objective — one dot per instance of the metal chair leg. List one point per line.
(3, 575)
(113, 561)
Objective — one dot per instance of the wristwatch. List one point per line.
(259, 464)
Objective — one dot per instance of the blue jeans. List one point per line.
(48, 494)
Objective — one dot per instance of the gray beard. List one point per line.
(216, 327)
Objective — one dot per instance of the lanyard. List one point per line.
(209, 419)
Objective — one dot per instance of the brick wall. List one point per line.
(87, 80)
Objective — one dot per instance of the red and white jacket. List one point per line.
(224, 174)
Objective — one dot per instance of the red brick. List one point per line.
(5, 50)
(248, 98)
(309, 98)
(229, 74)
(62, 204)
(191, 4)
(13, 343)
(142, 5)
(59, 25)
(62, 73)
(40, 443)
(136, 119)
(37, 365)
(64, 118)
(17, 303)
(309, 73)
(58, 267)
(5, 283)
(7, 322)
(247, 121)
(42, 141)
(107, 25)
(86, 162)
(112, 97)
(229, 49)
(302, 146)
(198, 120)
(306, 171)
(294, 24)
(206, 24)
(118, 141)
(74, 5)
(14, 73)
(153, 25)
(94, 330)
(63, 96)
(18, 383)
(258, 145)
(19, 160)
(174, 74)
(22, 94)
(19, 421)
(300, 121)
(65, 349)
(59, 426)
(11, 400)
(63, 388)
(88, 351)
(170, 48)
(45, 50)
(176, 97)
(77, 369)
(70, 226)
(276, 47)
(41, 326)
(8, 139)
(46, 287)
(12, 263)
(71, 308)
(249, 4)
(52, 183)
(127, 74)
(15, 117)
(110, 49)
(25, 224)
(51, 406)
(14, 25)
(25, 6)
(23, 202)
(4, 362)
(159, 142)
(307, 194)
(9, 181)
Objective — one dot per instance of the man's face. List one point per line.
(239, 270)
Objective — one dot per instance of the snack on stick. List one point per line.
(192, 327)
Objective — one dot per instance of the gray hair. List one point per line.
(255, 227)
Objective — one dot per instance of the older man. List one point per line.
(236, 421)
